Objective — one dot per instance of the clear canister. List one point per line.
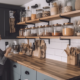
(47, 30)
(39, 13)
(57, 30)
(33, 31)
(46, 11)
(68, 29)
(21, 32)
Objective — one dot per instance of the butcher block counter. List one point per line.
(52, 68)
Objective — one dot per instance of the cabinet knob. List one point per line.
(26, 72)
(14, 66)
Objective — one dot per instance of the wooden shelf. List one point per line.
(71, 14)
(20, 37)
(70, 37)
(21, 23)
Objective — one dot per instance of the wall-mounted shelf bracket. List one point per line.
(66, 18)
(67, 39)
(44, 21)
(46, 38)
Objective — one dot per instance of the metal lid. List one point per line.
(67, 23)
(39, 9)
(47, 7)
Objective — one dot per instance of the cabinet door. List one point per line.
(15, 76)
(43, 77)
(27, 73)
(2, 11)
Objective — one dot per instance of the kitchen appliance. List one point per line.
(15, 47)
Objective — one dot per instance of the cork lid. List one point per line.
(32, 27)
(46, 7)
(39, 9)
(67, 23)
(57, 24)
(21, 29)
(47, 25)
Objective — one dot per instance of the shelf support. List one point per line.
(67, 39)
(46, 38)
(66, 18)
(44, 21)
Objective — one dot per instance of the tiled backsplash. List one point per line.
(55, 50)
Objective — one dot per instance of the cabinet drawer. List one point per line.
(15, 67)
(28, 73)
(43, 77)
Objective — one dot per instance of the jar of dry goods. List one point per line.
(57, 30)
(28, 15)
(47, 30)
(46, 12)
(33, 31)
(39, 13)
(40, 31)
(27, 32)
(68, 29)
(54, 9)
(21, 32)
(33, 15)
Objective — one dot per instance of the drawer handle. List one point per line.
(14, 66)
(26, 72)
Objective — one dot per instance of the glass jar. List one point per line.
(57, 30)
(33, 31)
(40, 31)
(21, 32)
(47, 30)
(46, 12)
(33, 15)
(39, 13)
(68, 29)
(27, 32)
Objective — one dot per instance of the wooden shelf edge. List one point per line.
(70, 37)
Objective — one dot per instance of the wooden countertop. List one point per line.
(52, 68)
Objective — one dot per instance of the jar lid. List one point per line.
(57, 24)
(21, 29)
(39, 9)
(67, 23)
(40, 26)
(32, 27)
(47, 7)
(25, 28)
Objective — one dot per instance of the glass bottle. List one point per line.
(21, 32)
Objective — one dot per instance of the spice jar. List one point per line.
(33, 15)
(21, 32)
(33, 31)
(57, 30)
(27, 32)
(39, 13)
(28, 15)
(68, 29)
(40, 31)
(46, 12)
(47, 30)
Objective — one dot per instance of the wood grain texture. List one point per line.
(54, 69)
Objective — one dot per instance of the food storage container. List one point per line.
(46, 11)
(54, 8)
(28, 15)
(57, 30)
(39, 13)
(40, 31)
(21, 32)
(27, 32)
(77, 4)
(33, 15)
(33, 31)
(68, 29)
(47, 30)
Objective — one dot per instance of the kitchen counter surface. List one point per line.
(52, 68)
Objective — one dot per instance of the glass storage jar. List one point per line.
(57, 30)
(39, 13)
(33, 15)
(68, 29)
(47, 30)
(21, 32)
(46, 11)
(28, 15)
(27, 32)
(40, 31)
(33, 31)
